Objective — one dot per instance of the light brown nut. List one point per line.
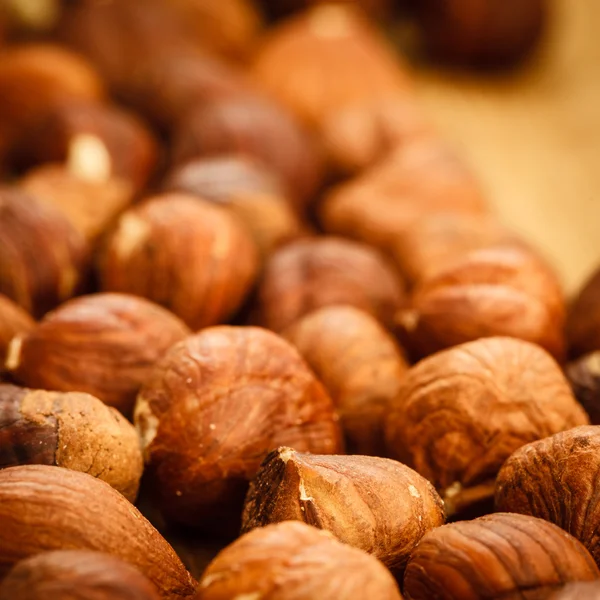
(48, 508)
(103, 344)
(13, 321)
(293, 561)
(214, 407)
(71, 430)
(359, 363)
(556, 479)
(462, 412)
(583, 319)
(586, 590)
(308, 274)
(76, 575)
(192, 257)
(497, 556)
(375, 504)
(43, 258)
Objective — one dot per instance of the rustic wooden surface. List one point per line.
(534, 137)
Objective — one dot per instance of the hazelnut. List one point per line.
(103, 344)
(279, 8)
(481, 32)
(43, 258)
(76, 574)
(501, 290)
(13, 321)
(584, 376)
(71, 430)
(583, 319)
(496, 556)
(255, 127)
(214, 407)
(460, 413)
(90, 205)
(23, 19)
(359, 363)
(308, 274)
(375, 504)
(556, 479)
(246, 187)
(298, 562)
(581, 590)
(190, 256)
(96, 141)
(48, 508)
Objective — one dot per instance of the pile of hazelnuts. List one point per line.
(261, 336)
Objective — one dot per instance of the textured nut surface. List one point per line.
(557, 479)
(48, 508)
(13, 321)
(583, 319)
(42, 256)
(76, 575)
(501, 291)
(103, 344)
(359, 363)
(70, 430)
(584, 376)
(293, 561)
(460, 413)
(497, 556)
(308, 274)
(213, 408)
(192, 257)
(375, 504)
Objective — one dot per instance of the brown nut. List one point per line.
(43, 258)
(308, 274)
(76, 575)
(214, 407)
(584, 376)
(29, 19)
(482, 32)
(13, 321)
(504, 290)
(293, 561)
(359, 363)
(583, 319)
(71, 430)
(103, 344)
(48, 508)
(91, 206)
(246, 187)
(280, 8)
(460, 414)
(375, 504)
(192, 257)
(586, 590)
(497, 556)
(258, 128)
(98, 142)
(556, 479)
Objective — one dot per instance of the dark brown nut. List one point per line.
(102, 344)
(13, 321)
(76, 575)
(586, 590)
(297, 562)
(43, 258)
(279, 8)
(98, 142)
(190, 256)
(482, 32)
(584, 376)
(246, 187)
(556, 479)
(583, 319)
(359, 363)
(308, 274)
(71, 430)
(497, 556)
(34, 78)
(90, 205)
(495, 291)
(461, 413)
(48, 508)
(375, 504)
(214, 407)
(258, 128)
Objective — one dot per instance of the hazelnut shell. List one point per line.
(13, 321)
(583, 319)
